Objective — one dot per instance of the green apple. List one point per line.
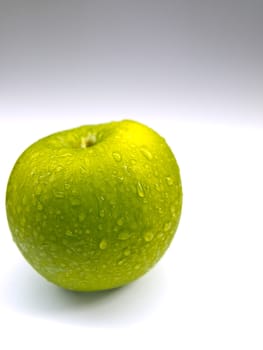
(95, 207)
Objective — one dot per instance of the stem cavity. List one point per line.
(88, 141)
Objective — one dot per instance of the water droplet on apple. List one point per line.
(120, 262)
(75, 202)
(167, 226)
(173, 209)
(169, 181)
(140, 190)
(158, 187)
(126, 252)
(147, 154)
(120, 221)
(160, 236)
(69, 233)
(82, 217)
(38, 190)
(148, 236)
(52, 178)
(136, 267)
(59, 194)
(102, 213)
(39, 207)
(123, 236)
(117, 156)
(103, 244)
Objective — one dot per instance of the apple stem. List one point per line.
(88, 141)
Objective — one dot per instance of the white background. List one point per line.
(192, 70)
(206, 292)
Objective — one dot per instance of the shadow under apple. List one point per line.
(27, 292)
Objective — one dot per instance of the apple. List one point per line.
(95, 207)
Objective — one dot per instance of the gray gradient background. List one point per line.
(168, 64)
(180, 59)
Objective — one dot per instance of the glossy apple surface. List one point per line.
(97, 206)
